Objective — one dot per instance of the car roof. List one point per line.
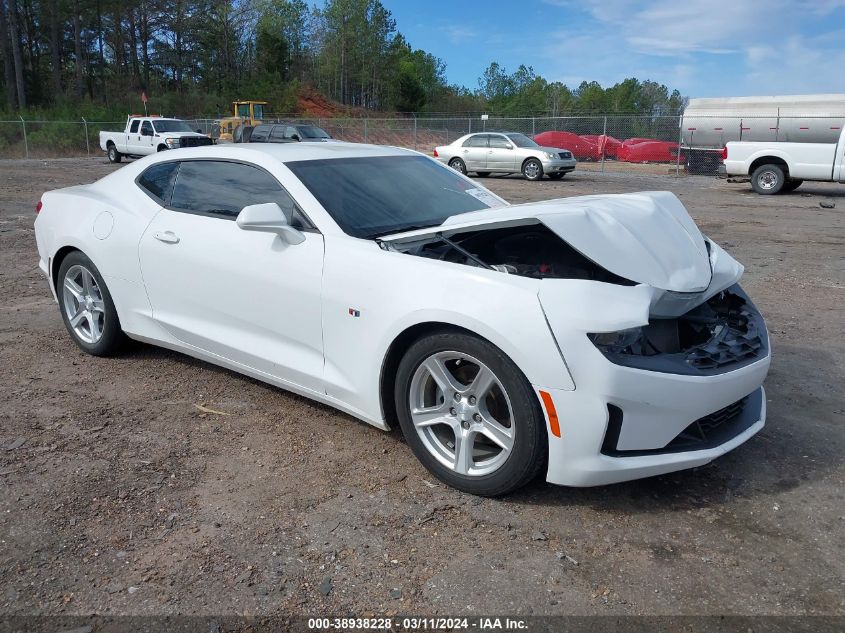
(287, 152)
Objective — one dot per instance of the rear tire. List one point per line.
(87, 308)
(768, 180)
(458, 165)
(506, 408)
(114, 155)
(532, 169)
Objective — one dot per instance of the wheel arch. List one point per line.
(161, 147)
(769, 160)
(56, 264)
(396, 351)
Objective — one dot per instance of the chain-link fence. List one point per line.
(656, 144)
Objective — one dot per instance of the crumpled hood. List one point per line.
(647, 237)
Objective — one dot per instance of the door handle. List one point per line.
(168, 237)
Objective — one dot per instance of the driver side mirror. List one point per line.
(199, 131)
(269, 218)
(508, 146)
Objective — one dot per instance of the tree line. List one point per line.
(195, 56)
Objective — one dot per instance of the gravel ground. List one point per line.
(156, 484)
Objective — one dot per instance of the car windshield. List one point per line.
(172, 126)
(377, 195)
(520, 140)
(312, 131)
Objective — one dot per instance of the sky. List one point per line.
(704, 48)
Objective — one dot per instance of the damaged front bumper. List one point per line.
(678, 393)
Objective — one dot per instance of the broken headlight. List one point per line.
(616, 342)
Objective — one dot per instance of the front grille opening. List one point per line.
(194, 141)
(707, 432)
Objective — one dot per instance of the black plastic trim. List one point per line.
(744, 413)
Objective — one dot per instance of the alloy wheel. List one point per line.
(83, 304)
(462, 413)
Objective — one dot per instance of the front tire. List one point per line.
(458, 165)
(469, 414)
(557, 175)
(114, 155)
(768, 180)
(532, 169)
(87, 308)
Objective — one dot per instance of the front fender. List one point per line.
(371, 296)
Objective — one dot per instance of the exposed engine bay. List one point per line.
(530, 250)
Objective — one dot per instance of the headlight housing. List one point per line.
(172, 142)
(550, 155)
(616, 342)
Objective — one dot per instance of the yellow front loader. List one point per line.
(243, 113)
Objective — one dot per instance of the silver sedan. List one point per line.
(505, 153)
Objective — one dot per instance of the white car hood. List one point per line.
(647, 237)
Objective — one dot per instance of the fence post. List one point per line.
(680, 140)
(415, 131)
(25, 142)
(365, 130)
(469, 125)
(87, 144)
(604, 146)
(533, 127)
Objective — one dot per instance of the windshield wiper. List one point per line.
(401, 229)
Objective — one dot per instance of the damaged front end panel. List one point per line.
(723, 333)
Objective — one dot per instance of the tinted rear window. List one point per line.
(157, 181)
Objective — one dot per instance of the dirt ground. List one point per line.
(156, 484)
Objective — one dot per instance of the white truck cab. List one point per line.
(777, 166)
(150, 134)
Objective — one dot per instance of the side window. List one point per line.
(260, 134)
(479, 140)
(133, 128)
(292, 133)
(499, 141)
(222, 189)
(157, 181)
(278, 133)
(147, 128)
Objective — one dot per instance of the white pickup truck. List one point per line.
(776, 166)
(150, 134)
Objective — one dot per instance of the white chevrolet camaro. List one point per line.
(599, 339)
